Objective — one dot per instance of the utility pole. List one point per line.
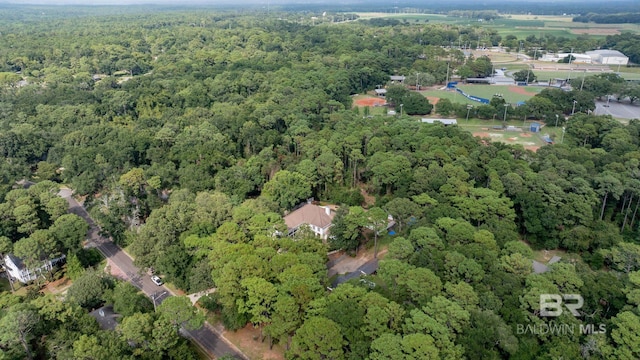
(570, 58)
(446, 82)
(562, 138)
(584, 73)
(417, 83)
(469, 107)
(506, 106)
(557, 120)
(573, 110)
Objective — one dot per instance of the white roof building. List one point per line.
(577, 58)
(608, 57)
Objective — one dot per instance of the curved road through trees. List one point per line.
(208, 338)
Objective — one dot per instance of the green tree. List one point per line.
(70, 230)
(287, 189)
(88, 290)
(377, 220)
(402, 211)
(17, 326)
(318, 338)
(179, 311)
(261, 296)
(524, 75)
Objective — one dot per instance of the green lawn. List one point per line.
(488, 91)
(546, 75)
(453, 96)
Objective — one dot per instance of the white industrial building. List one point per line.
(577, 58)
(608, 57)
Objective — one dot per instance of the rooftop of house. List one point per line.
(15, 260)
(320, 216)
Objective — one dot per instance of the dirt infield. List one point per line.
(519, 90)
(433, 100)
(481, 134)
(372, 101)
(532, 148)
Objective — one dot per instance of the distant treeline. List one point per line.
(628, 44)
(621, 18)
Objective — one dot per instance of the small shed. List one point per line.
(535, 127)
(381, 92)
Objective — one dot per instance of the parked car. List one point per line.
(156, 280)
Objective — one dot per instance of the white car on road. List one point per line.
(156, 280)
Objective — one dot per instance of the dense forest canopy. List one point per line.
(191, 133)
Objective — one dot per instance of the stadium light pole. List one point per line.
(504, 120)
(573, 110)
(557, 120)
(584, 73)
(469, 107)
(562, 138)
(401, 105)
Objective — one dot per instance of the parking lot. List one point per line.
(619, 110)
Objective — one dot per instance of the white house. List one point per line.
(19, 271)
(608, 57)
(318, 218)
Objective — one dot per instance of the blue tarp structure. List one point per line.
(452, 85)
(535, 127)
(474, 98)
(391, 232)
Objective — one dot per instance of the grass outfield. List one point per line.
(453, 96)
(488, 91)
(546, 75)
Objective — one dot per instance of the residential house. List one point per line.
(318, 218)
(19, 271)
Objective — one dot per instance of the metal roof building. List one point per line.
(608, 57)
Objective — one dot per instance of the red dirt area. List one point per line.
(519, 90)
(433, 100)
(372, 101)
(525, 135)
(532, 148)
(481, 134)
(247, 340)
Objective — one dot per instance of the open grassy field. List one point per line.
(484, 129)
(546, 75)
(518, 25)
(453, 96)
(509, 93)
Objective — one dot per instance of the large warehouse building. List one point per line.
(608, 57)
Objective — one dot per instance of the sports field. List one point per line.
(511, 94)
(530, 141)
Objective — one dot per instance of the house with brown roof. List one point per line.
(318, 218)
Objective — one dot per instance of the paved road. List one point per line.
(367, 268)
(207, 337)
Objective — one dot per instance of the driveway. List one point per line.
(208, 338)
